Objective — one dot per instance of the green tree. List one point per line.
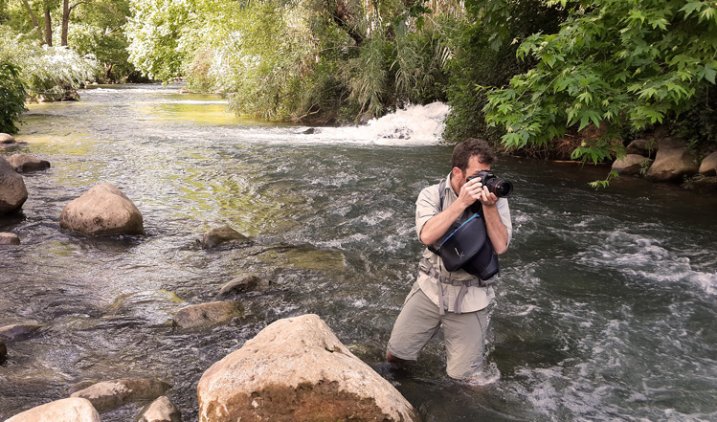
(613, 66)
(12, 97)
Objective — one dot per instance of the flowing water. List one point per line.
(606, 304)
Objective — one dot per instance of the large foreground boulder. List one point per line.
(673, 161)
(65, 410)
(102, 210)
(108, 395)
(25, 163)
(297, 370)
(13, 192)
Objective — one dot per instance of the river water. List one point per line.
(606, 304)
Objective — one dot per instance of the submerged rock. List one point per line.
(160, 410)
(108, 395)
(297, 370)
(207, 314)
(102, 210)
(19, 330)
(7, 238)
(65, 410)
(25, 163)
(708, 167)
(13, 192)
(242, 283)
(219, 235)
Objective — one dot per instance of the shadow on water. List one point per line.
(606, 300)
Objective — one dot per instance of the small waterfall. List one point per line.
(415, 125)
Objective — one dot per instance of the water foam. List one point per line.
(639, 256)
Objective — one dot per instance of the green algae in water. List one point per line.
(306, 258)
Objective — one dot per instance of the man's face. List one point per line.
(474, 166)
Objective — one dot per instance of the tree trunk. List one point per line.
(34, 19)
(48, 26)
(65, 21)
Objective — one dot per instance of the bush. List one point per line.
(12, 97)
(48, 73)
(613, 66)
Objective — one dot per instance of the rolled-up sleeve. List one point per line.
(426, 207)
(504, 213)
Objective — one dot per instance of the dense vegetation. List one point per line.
(579, 77)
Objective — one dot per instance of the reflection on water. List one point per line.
(605, 306)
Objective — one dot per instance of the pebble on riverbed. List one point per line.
(160, 410)
(25, 163)
(108, 395)
(207, 314)
(219, 235)
(243, 283)
(7, 238)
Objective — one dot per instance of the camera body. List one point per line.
(497, 186)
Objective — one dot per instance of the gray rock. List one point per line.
(102, 210)
(7, 238)
(25, 163)
(219, 235)
(19, 330)
(296, 369)
(644, 147)
(673, 161)
(207, 314)
(243, 283)
(13, 192)
(708, 167)
(65, 410)
(631, 164)
(108, 395)
(160, 410)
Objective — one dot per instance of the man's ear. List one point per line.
(456, 173)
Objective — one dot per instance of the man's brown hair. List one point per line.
(463, 152)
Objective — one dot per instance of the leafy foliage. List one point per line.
(47, 72)
(12, 97)
(614, 66)
(484, 55)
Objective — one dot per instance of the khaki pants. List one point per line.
(464, 333)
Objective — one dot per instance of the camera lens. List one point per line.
(501, 188)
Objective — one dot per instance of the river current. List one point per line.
(606, 304)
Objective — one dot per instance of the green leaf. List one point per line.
(691, 7)
(710, 73)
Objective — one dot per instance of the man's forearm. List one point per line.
(439, 224)
(497, 231)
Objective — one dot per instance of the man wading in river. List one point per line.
(458, 301)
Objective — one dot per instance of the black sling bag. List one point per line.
(466, 245)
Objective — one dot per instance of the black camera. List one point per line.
(500, 187)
